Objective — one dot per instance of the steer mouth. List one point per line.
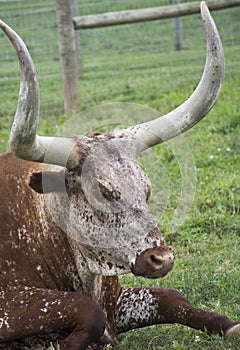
(153, 263)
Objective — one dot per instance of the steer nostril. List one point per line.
(156, 260)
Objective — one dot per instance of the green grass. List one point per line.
(207, 244)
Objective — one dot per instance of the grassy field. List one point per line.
(207, 244)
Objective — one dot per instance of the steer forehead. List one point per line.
(108, 166)
(115, 169)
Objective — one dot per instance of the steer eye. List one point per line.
(110, 194)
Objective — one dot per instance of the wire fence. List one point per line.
(113, 60)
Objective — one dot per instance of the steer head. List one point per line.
(102, 205)
(99, 195)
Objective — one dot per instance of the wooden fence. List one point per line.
(67, 42)
(147, 14)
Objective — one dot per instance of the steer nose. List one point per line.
(154, 263)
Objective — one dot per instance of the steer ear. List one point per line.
(47, 181)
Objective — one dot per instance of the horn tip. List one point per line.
(204, 8)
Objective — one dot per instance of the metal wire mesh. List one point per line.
(114, 60)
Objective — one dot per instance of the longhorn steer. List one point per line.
(63, 244)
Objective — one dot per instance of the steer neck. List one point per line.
(104, 290)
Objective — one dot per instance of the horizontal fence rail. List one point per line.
(147, 14)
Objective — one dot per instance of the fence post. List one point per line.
(67, 47)
(75, 13)
(178, 29)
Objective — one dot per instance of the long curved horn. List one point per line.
(198, 104)
(24, 141)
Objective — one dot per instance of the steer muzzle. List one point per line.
(154, 263)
